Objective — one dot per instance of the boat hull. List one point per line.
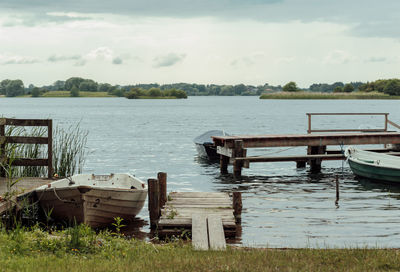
(95, 207)
(207, 151)
(374, 172)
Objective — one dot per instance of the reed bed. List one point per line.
(69, 150)
(315, 95)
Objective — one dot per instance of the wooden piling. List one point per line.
(315, 164)
(154, 202)
(162, 180)
(2, 144)
(223, 162)
(238, 152)
(237, 206)
(337, 190)
(50, 149)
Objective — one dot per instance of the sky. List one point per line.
(200, 41)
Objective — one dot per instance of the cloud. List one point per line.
(35, 19)
(364, 16)
(58, 58)
(101, 53)
(377, 59)
(117, 60)
(7, 59)
(338, 57)
(168, 60)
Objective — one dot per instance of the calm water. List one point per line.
(282, 206)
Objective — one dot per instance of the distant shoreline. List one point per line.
(332, 96)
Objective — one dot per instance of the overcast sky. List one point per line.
(200, 41)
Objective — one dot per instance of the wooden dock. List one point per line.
(208, 216)
(233, 149)
(23, 187)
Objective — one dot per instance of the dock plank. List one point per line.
(216, 234)
(199, 232)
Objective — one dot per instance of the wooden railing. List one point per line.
(384, 129)
(27, 140)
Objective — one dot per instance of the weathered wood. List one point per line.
(30, 162)
(300, 158)
(216, 236)
(27, 122)
(224, 160)
(393, 124)
(198, 195)
(222, 150)
(2, 144)
(238, 152)
(50, 149)
(162, 179)
(154, 202)
(199, 232)
(255, 141)
(26, 140)
(237, 206)
(315, 163)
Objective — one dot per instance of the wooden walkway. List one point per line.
(208, 216)
(233, 149)
(22, 187)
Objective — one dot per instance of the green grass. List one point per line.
(81, 94)
(80, 249)
(312, 95)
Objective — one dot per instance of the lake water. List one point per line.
(282, 206)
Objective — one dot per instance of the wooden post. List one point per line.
(50, 149)
(238, 152)
(154, 202)
(309, 123)
(223, 164)
(337, 190)
(2, 144)
(162, 180)
(237, 206)
(300, 164)
(315, 164)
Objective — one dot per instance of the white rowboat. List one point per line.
(93, 199)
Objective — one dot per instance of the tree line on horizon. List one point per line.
(12, 88)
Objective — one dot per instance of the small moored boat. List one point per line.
(93, 199)
(205, 146)
(373, 165)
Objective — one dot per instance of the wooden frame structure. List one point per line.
(28, 140)
(233, 149)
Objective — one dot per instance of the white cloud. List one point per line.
(168, 60)
(101, 53)
(14, 59)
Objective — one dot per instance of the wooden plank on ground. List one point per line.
(199, 232)
(216, 234)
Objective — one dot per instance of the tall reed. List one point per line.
(69, 150)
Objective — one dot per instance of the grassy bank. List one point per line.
(80, 249)
(81, 94)
(313, 95)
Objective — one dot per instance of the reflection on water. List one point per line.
(282, 206)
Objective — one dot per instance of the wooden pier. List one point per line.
(208, 217)
(233, 149)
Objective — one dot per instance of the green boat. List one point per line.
(373, 165)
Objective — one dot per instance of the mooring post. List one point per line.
(154, 202)
(315, 164)
(223, 164)
(2, 144)
(337, 190)
(237, 206)
(238, 152)
(162, 180)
